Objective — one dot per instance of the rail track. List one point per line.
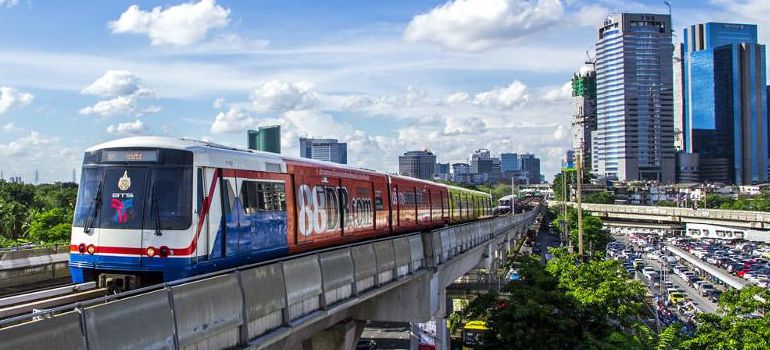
(31, 302)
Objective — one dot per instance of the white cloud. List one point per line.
(560, 133)
(11, 128)
(134, 128)
(457, 97)
(278, 96)
(472, 25)
(235, 119)
(25, 145)
(590, 15)
(117, 83)
(8, 3)
(10, 97)
(512, 95)
(456, 126)
(562, 93)
(182, 24)
(107, 108)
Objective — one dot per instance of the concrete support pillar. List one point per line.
(342, 336)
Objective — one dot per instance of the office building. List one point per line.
(634, 138)
(267, 139)
(442, 172)
(678, 63)
(461, 172)
(725, 102)
(568, 159)
(509, 162)
(531, 165)
(418, 164)
(583, 112)
(329, 150)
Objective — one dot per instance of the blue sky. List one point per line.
(384, 76)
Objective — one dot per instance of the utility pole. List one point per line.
(580, 199)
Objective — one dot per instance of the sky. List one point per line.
(384, 76)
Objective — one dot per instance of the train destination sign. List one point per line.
(131, 156)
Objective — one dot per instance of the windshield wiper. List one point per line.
(94, 210)
(156, 215)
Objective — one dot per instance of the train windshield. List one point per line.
(134, 196)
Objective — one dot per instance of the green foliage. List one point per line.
(571, 175)
(543, 311)
(665, 204)
(35, 214)
(753, 203)
(600, 198)
(741, 323)
(594, 237)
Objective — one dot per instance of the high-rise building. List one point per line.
(329, 150)
(584, 112)
(568, 159)
(725, 102)
(461, 172)
(509, 162)
(267, 139)
(418, 164)
(531, 165)
(634, 111)
(678, 63)
(442, 172)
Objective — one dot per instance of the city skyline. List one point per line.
(107, 70)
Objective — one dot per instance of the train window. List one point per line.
(263, 196)
(378, 200)
(229, 199)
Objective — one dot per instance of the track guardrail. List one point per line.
(242, 307)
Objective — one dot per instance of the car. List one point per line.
(675, 297)
(705, 288)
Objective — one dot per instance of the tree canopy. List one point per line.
(36, 214)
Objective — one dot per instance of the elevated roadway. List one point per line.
(667, 215)
(319, 300)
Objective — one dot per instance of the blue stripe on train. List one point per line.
(251, 238)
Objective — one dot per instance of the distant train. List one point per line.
(154, 209)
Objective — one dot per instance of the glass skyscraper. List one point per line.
(725, 102)
(329, 150)
(267, 139)
(634, 138)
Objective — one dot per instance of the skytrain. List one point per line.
(155, 209)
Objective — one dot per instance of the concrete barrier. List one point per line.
(141, 322)
(208, 312)
(416, 252)
(386, 261)
(337, 271)
(403, 256)
(58, 332)
(303, 285)
(264, 293)
(365, 271)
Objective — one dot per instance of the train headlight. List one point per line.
(164, 252)
(151, 251)
(91, 249)
(82, 248)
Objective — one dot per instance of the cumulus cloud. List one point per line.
(179, 25)
(473, 25)
(279, 96)
(125, 88)
(8, 3)
(457, 97)
(11, 128)
(235, 119)
(509, 96)
(10, 97)
(456, 126)
(25, 145)
(562, 93)
(560, 133)
(134, 128)
(117, 83)
(107, 108)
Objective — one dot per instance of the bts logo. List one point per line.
(121, 209)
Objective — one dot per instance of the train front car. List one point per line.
(133, 217)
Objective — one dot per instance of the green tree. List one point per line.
(52, 225)
(600, 198)
(595, 238)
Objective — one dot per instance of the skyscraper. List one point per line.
(329, 150)
(267, 138)
(725, 102)
(584, 112)
(634, 110)
(531, 165)
(509, 162)
(419, 164)
(442, 171)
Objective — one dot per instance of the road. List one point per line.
(546, 239)
(388, 335)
